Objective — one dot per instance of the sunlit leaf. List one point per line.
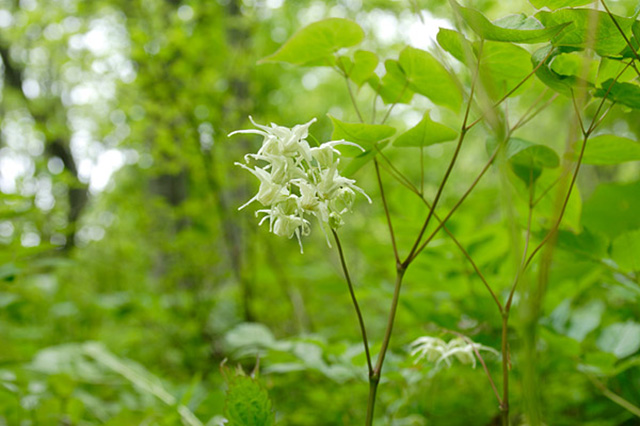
(589, 28)
(317, 43)
(611, 149)
(514, 28)
(503, 66)
(613, 208)
(557, 4)
(365, 135)
(429, 78)
(361, 68)
(426, 132)
(625, 250)
(393, 87)
(456, 44)
(620, 339)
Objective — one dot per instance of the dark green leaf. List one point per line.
(526, 158)
(623, 93)
(247, 403)
(585, 243)
(316, 44)
(426, 132)
(429, 78)
(515, 28)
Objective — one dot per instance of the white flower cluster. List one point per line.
(297, 180)
(438, 351)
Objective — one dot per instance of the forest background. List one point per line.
(131, 287)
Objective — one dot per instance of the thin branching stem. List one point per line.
(385, 206)
(356, 306)
(454, 158)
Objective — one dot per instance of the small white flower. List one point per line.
(437, 350)
(297, 180)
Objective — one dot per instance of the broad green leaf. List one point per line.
(557, 4)
(585, 243)
(317, 43)
(560, 83)
(605, 38)
(365, 135)
(610, 69)
(426, 132)
(611, 149)
(514, 28)
(393, 87)
(620, 339)
(247, 403)
(361, 68)
(456, 44)
(625, 250)
(247, 338)
(429, 78)
(572, 64)
(527, 158)
(623, 93)
(613, 209)
(503, 66)
(585, 319)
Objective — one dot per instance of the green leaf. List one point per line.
(362, 159)
(605, 38)
(625, 250)
(527, 159)
(611, 149)
(613, 209)
(316, 43)
(514, 28)
(572, 64)
(503, 66)
(560, 83)
(455, 43)
(394, 87)
(623, 93)
(426, 132)
(247, 403)
(585, 243)
(361, 68)
(557, 4)
(620, 339)
(429, 78)
(585, 319)
(365, 135)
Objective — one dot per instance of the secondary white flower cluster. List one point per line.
(438, 351)
(297, 181)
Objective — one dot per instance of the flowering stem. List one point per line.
(374, 378)
(356, 306)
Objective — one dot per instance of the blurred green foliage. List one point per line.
(122, 294)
